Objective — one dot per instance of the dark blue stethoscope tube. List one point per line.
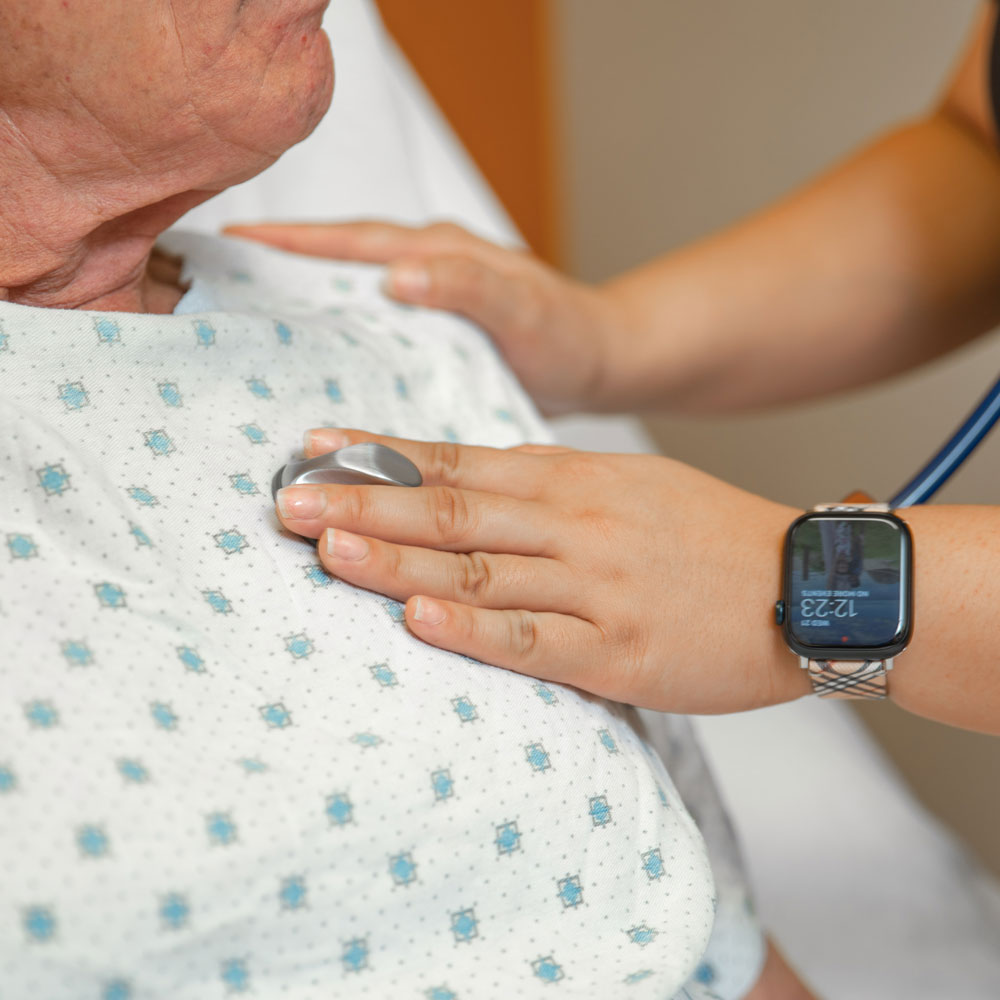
(955, 451)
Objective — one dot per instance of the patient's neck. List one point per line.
(68, 245)
(100, 265)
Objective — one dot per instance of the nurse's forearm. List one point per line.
(951, 671)
(887, 261)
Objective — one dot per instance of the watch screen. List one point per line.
(846, 586)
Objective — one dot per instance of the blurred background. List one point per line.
(616, 131)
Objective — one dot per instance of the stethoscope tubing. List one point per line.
(953, 453)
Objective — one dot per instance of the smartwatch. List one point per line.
(847, 596)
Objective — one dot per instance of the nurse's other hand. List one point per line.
(555, 333)
(631, 576)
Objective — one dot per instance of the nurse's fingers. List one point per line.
(509, 305)
(484, 579)
(517, 472)
(551, 646)
(375, 242)
(438, 517)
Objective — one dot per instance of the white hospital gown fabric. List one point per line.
(223, 771)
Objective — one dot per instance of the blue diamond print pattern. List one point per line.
(508, 839)
(570, 891)
(218, 602)
(140, 536)
(117, 989)
(652, 864)
(54, 479)
(705, 974)
(366, 740)
(317, 576)
(464, 709)
(142, 496)
(332, 389)
(92, 841)
(259, 388)
(547, 969)
(276, 716)
(204, 333)
(537, 757)
(22, 546)
(338, 809)
(440, 993)
(637, 977)
(170, 394)
(243, 484)
(76, 654)
(402, 869)
(395, 610)
(158, 442)
(109, 595)
(41, 714)
(607, 740)
(300, 646)
(221, 829)
(174, 911)
(163, 715)
(292, 894)
(354, 956)
(600, 811)
(191, 659)
(133, 771)
(108, 331)
(39, 923)
(230, 541)
(641, 935)
(8, 782)
(284, 333)
(253, 434)
(442, 784)
(382, 673)
(464, 925)
(546, 694)
(73, 396)
(236, 975)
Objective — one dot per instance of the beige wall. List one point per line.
(682, 115)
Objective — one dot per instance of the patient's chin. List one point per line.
(307, 98)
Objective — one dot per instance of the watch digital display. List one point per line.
(847, 582)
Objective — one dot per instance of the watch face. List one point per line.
(848, 585)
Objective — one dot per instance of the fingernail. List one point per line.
(408, 281)
(301, 503)
(323, 439)
(344, 545)
(428, 612)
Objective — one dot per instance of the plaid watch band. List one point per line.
(849, 678)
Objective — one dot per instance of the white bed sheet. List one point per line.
(869, 896)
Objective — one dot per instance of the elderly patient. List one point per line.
(222, 770)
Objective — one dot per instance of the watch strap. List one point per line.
(865, 679)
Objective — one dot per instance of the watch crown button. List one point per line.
(779, 613)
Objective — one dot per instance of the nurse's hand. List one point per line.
(630, 576)
(556, 334)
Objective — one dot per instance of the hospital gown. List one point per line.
(224, 771)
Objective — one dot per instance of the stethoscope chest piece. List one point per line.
(365, 464)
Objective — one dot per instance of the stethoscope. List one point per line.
(953, 453)
(372, 464)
